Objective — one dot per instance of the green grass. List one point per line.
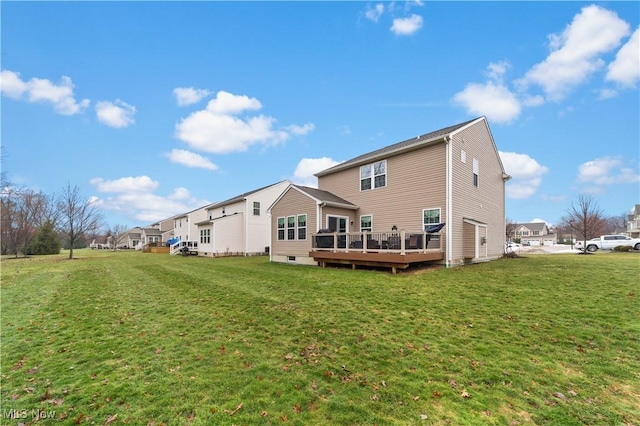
(150, 339)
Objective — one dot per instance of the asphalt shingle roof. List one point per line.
(406, 144)
(324, 196)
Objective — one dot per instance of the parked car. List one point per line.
(608, 242)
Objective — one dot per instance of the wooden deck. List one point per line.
(369, 258)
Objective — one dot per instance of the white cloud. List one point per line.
(374, 13)
(12, 85)
(190, 159)
(228, 103)
(126, 184)
(526, 174)
(300, 130)
(134, 197)
(307, 167)
(406, 26)
(625, 69)
(189, 95)
(220, 128)
(575, 53)
(116, 114)
(493, 100)
(42, 90)
(606, 171)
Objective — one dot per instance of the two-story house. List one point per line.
(633, 222)
(535, 234)
(439, 197)
(239, 225)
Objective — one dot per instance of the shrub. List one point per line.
(46, 242)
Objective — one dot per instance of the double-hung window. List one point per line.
(430, 217)
(256, 208)
(366, 223)
(281, 221)
(373, 176)
(302, 226)
(291, 227)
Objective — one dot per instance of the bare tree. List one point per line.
(586, 218)
(510, 229)
(117, 233)
(78, 216)
(617, 224)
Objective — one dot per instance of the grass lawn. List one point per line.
(151, 339)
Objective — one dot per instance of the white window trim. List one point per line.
(305, 227)
(347, 219)
(287, 227)
(432, 208)
(476, 172)
(366, 215)
(373, 175)
(284, 229)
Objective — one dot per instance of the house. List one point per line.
(535, 234)
(239, 225)
(132, 238)
(438, 198)
(633, 222)
(150, 235)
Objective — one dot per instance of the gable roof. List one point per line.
(240, 197)
(320, 196)
(435, 136)
(324, 197)
(533, 226)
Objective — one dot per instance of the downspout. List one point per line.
(270, 235)
(448, 202)
(246, 226)
(319, 216)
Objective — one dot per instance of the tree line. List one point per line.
(32, 222)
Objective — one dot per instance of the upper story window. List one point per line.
(373, 175)
(256, 208)
(476, 172)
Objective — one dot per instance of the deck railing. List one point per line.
(190, 245)
(382, 242)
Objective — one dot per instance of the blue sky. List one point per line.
(158, 108)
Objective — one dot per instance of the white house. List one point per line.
(239, 225)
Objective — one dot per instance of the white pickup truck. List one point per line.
(608, 242)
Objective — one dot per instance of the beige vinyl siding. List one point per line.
(469, 240)
(415, 181)
(293, 203)
(353, 222)
(485, 203)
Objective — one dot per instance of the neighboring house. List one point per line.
(132, 238)
(239, 225)
(535, 234)
(633, 222)
(151, 234)
(180, 227)
(376, 209)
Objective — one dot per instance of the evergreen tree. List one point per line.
(46, 242)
